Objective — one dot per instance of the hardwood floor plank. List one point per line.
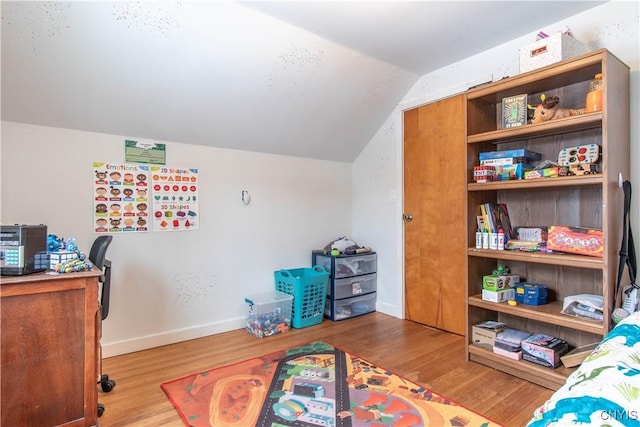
(433, 358)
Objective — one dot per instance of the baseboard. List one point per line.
(391, 310)
(110, 349)
(117, 348)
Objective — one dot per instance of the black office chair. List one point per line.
(97, 256)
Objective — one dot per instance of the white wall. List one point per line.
(173, 286)
(377, 172)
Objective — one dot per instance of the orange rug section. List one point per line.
(315, 384)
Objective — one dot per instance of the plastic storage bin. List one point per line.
(268, 313)
(353, 286)
(352, 280)
(348, 266)
(350, 307)
(308, 286)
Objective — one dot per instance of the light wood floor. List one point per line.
(430, 357)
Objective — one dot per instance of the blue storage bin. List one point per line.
(308, 286)
(531, 293)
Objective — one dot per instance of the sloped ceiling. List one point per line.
(308, 79)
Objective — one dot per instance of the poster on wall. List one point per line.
(120, 198)
(144, 152)
(175, 199)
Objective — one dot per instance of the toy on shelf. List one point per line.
(578, 170)
(581, 159)
(580, 154)
(548, 109)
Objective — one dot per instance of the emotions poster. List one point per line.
(175, 198)
(120, 198)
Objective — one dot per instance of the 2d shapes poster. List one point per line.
(120, 198)
(175, 198)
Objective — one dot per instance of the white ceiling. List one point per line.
(309, 79)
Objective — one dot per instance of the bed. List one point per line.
(605, 389)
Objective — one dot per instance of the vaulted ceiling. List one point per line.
(309, 79)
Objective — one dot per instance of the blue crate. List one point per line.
(308, 286)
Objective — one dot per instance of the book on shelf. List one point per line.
(495, 216)
(514, 111)
(486, 220)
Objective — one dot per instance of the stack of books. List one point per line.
(509, 343)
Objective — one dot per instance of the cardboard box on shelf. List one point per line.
(497, 283)
(484, 334)
(576, 240)
(503, 295)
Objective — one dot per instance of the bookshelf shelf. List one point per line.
(554, 127)
(549, 313)
(578, 261)
(550, 378)
(562, 181)
(592, 201)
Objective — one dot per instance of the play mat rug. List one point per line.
(313, 385)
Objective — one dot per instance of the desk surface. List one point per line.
(48, 275)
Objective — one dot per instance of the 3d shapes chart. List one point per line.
(175, 198)
(120, 198)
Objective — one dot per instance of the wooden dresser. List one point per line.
(49, 344)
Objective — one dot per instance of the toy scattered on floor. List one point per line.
(548, 109)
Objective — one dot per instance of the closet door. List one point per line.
(434, 206)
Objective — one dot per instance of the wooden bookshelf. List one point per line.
(593, 201)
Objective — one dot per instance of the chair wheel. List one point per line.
(108, 385)
(100, 409)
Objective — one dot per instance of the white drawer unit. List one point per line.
(352, 284)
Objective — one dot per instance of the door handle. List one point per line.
(407, 217)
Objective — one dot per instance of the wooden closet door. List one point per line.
(434, 195)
